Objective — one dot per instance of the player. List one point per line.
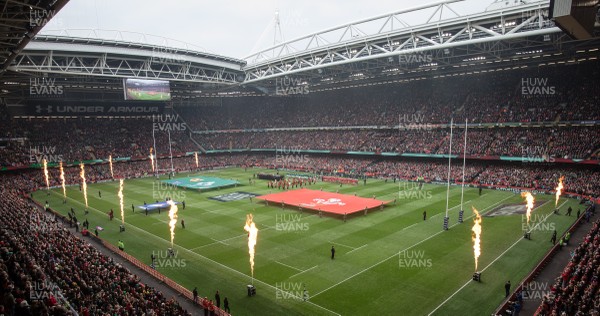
(226, 305)
(194, 292)
(332, 252)
(218, 299)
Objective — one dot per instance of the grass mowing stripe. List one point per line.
(210, 260)
(355, 249)
(283, 264)
(306, 247)
(335, 243)
(303, 271)
(490, 264)
(380, 262)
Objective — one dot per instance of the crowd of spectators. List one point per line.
(86, 139)
(78, 274)
(530, 143)
(576, 291)
(566, 142)
(46, 270)
(394, 118)
(484, 98)
(540, 176)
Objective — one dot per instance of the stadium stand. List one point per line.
(375, 114)
(575, 292)
(67, 274)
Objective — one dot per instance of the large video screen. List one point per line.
(146, 90)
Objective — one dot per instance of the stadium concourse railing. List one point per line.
(186, 293)
(536, 271)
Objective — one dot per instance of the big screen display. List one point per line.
(146, 90)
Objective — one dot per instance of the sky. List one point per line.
(232, 28)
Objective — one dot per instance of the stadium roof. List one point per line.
(379, 50)
(20, 21)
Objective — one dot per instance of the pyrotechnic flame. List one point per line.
(172, 219)
(196, 156)
(111, 169)
(121, 201)
(83, 184)
(62, 180)
(152, 159)
(46, 174)
(476, 236)
(250, 227)
(559, 189)
(530, 199)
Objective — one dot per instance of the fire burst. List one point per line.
(62, 180)
(172, 219)
(476, 236)
(121, 201)
(250, 227)
(111, 169)
(530, 199)
(83, 184)
(45, 163)
(196, 156)
(559, 189)
(152, 159)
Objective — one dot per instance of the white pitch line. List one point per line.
(351, 251)
(303, 271)
(407, 227)
(283, 264)
(213, 261)
(459, 205)
(390, 257)
(220, 241)
(335, 243)
(502, 254)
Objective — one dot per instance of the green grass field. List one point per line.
(389, 262)
(145, 96)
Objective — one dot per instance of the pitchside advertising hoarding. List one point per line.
(76, 108)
